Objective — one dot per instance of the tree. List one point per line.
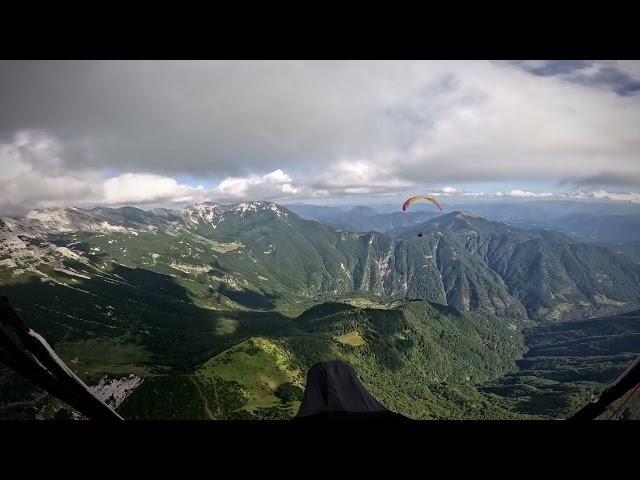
(289, 392)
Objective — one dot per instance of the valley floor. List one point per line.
(567, 364)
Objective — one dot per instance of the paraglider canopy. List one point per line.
(417, 198)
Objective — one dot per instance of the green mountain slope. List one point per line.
(550, 274)
(418, 358)
(259, 255)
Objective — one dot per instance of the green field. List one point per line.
(351, 338)
(258, 366)
(91, 359)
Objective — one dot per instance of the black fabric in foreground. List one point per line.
(31, 356)
(333, 391)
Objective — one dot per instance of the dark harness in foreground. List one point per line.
(333, 391)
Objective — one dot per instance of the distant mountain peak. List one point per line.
(248, 205)
(461, 215)
(205, 212)
(468, 215)
(70, 219)
(55, 218)
(362, 210)
(213, 213)
(453, 220)
(259, 205)
(207, 203)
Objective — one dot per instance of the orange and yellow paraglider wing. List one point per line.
(421, 197)
(435, 201)
(406, 204)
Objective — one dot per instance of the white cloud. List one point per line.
(310, 130)
(271, 185)
(32, 177)
(630, 67)
(29, 190)
(424, 122)
(524, 194)
(37, 150)
(358, 176)
(598, 195)
(11, 163)
(277, 176)
(136, 188)
(604, 195)
(446, 191)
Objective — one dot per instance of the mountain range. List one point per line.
(203, 302)
(614, 226)
(259, 254)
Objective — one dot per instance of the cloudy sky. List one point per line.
(161, 133)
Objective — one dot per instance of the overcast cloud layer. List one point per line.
(112, 132)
